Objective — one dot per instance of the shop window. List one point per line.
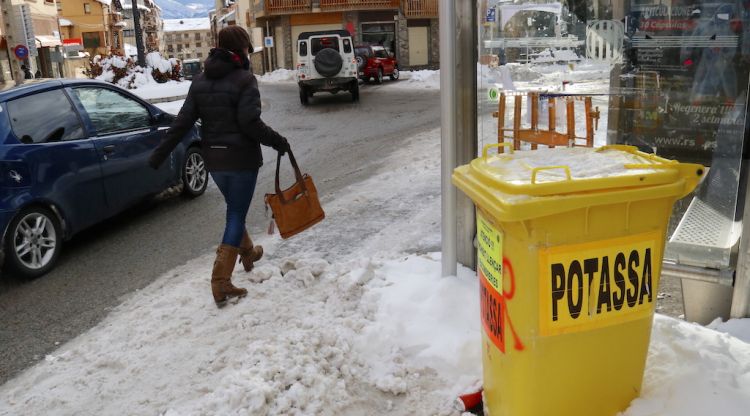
(92, 40)
(383, 34)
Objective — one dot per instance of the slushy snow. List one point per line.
(377, 331)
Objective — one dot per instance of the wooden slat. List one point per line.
(552, 125)
(517, 123)
(287, 6)
(534, 98)
(420, 8)
(501, 122)
(358, 4)
(547, 138)
(571, 115)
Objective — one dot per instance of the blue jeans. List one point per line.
(238, 188)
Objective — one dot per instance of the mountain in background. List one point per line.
(177, 9)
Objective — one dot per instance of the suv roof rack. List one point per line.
(341, 33)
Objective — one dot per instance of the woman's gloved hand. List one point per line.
(282, 147)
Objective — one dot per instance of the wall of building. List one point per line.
(180, 46)
(95, 22)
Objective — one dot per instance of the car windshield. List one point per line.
(318, 44)
(380, 53)
(362, 51)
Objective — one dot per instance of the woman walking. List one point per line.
(225, 98)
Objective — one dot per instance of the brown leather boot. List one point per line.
(221, 283)
(249, 253)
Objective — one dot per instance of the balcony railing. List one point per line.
(420, 8)
(287, 6)
(330, 5)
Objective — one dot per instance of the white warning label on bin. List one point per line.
(597, 284)
(490, 252)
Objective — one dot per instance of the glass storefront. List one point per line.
(670, 77)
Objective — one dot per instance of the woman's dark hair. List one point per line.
(235, 39)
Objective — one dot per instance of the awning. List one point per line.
(65, 22)
(48, 41)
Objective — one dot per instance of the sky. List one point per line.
(377, 331)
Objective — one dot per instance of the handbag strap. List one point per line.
(297, 174)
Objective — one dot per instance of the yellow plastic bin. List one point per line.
(570, 244)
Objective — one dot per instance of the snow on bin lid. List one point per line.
(579, 169)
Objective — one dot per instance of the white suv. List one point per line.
(326, 62)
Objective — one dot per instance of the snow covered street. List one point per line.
(355, 319)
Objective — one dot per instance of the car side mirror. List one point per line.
(157, 118)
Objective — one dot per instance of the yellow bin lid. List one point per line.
(522, 184)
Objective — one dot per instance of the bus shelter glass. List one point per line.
(670, 77)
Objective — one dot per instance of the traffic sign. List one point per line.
(490, 15)
(21, 52)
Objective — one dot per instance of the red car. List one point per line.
(375, 62)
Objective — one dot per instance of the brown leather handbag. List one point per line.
(296, 208)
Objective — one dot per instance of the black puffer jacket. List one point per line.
(225, 98)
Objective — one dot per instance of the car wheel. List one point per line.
(355, 91)
(379, 78)
(394, 75)
(194, 173)
(304, 96)
(33, 242)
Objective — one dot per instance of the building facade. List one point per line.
(45, 42)
(187, 38)
(407, 28)
(151, 23)
(96, 25)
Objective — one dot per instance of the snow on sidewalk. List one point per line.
(360, 323)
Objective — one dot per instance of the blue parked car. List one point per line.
(74, 153)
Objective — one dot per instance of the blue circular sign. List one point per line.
(21, 52)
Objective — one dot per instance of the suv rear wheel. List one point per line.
(355, 91)
(304, 98)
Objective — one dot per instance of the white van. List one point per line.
(326, 62)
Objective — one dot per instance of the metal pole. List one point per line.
(267, 51)
(138, 34)
(741, 292)
(466, 124)
(447, 15)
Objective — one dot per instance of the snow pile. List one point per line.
(124, 72)
(369, 331)
(154, 60)
(426, 78)
(695, 371)
(279, 76)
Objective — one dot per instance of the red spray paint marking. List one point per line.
(517, 344)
